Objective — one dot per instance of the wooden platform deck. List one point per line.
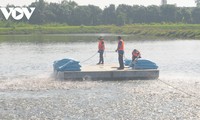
(109, 72)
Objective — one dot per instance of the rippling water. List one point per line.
(29, 91)
(175, 58)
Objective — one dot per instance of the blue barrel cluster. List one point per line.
(67, 65)
(141, 64)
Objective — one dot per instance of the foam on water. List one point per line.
(28, 89)
(33, 61)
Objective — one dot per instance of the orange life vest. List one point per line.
(101, 45)
(135, 53)
(121, 47)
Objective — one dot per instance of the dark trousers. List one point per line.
(101, 60)
(133, 58)
(120, 58)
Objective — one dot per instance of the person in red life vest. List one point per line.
(120, 50)
(101, 48)
(135, 55)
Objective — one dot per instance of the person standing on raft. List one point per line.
(101, 48)
(120, 50)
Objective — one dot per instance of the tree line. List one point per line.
(69, 12)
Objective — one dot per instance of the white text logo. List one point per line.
(17, 13)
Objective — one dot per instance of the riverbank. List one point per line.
(183, 31)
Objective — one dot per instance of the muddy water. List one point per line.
(29, 91)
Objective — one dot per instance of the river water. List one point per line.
(21, 59)
(27, 81)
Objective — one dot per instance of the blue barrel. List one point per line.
(67, 65)
(141, 64)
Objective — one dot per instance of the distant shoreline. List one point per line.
(182, 31)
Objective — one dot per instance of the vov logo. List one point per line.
(17, 13)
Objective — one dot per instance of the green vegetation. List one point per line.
(70, 13)
(67, 17)
(184, 31)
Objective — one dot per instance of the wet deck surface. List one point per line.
(110, 72)
(110, 67)
(104, 67)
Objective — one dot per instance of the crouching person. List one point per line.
(135, 55)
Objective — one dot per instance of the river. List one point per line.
(28, 89)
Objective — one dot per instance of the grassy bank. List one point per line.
(183, 31)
